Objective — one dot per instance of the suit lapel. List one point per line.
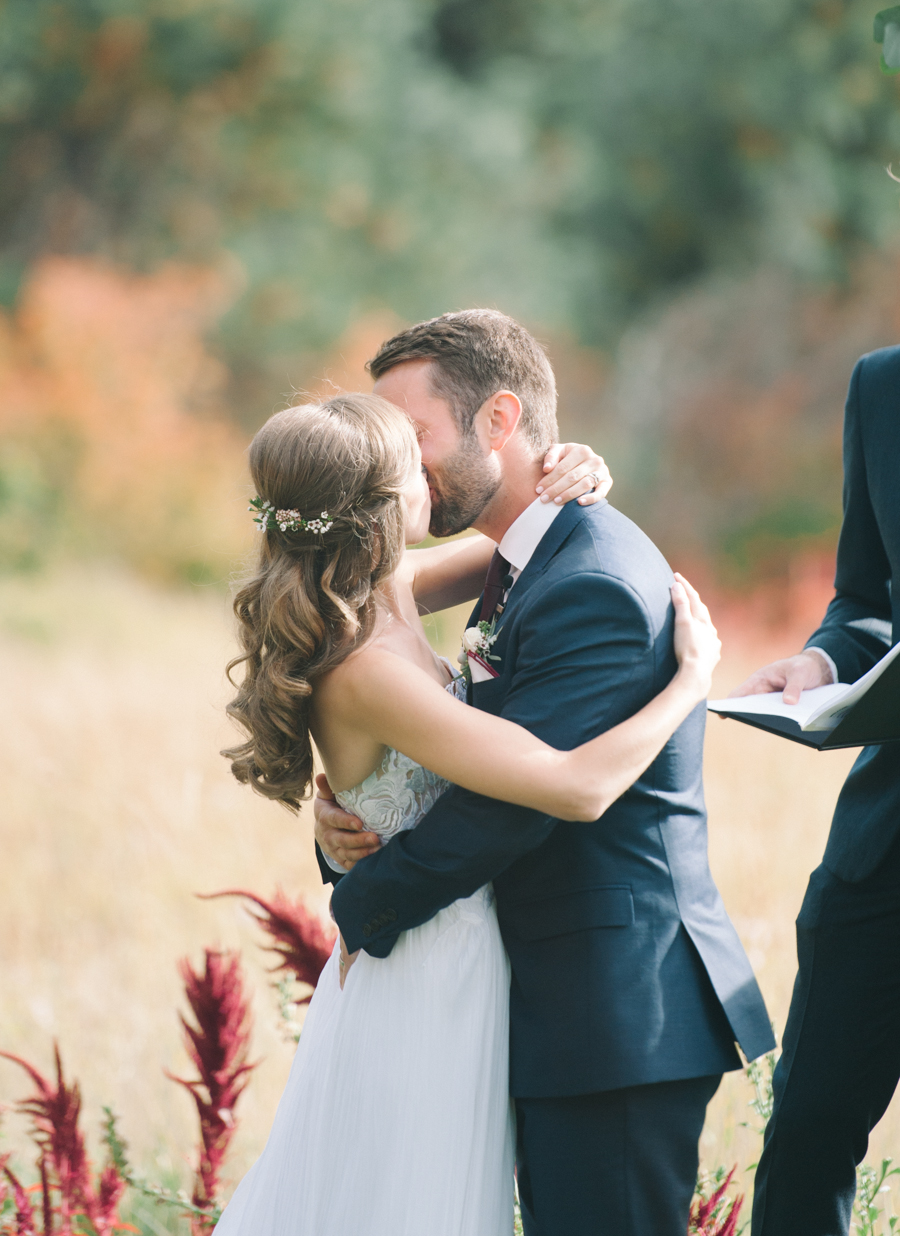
(549, 545)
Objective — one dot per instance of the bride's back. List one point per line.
(348, 751)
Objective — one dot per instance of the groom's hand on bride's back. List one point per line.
(340, 835)
(792, 675)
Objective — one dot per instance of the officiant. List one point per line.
(840, 1058)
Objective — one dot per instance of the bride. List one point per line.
(401, 1070)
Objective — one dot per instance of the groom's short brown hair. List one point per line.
(476, 353)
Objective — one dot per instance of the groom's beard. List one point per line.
(460, 489)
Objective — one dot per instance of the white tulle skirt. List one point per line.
(396, 1118)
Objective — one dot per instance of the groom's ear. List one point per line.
(498, 419)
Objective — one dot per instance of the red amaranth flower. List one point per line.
(110, 1187)
(24, 1209)
(218, 1048)
(55, 1111)
(709, 1216)
(301, 941)
(46, 1195)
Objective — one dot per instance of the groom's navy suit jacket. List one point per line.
(863, 621)
(625, 967)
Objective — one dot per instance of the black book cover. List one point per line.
(873, 720)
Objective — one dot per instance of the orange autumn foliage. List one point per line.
(112, 433)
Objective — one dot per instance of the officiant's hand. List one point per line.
(340, 835)
(573, 470)
(792, 675)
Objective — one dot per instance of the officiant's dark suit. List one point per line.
(841, 1053)
(629, 984)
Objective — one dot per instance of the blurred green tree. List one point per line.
(694, 137)
(319, 144)
(567, 158)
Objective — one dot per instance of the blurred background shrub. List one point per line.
(204, 202)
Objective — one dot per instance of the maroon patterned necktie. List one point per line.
(494, 586)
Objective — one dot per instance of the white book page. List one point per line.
(821, 708)
(854, 693)
(819, 699)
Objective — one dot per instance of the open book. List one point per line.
(859, 714)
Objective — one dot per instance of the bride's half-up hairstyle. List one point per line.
(311, 599)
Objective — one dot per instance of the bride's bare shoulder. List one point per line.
(370, 679)
(368, 669)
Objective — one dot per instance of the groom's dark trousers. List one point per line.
(629, 985)
(632, 1152)
(841, 1053)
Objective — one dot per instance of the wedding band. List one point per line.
(595, 477)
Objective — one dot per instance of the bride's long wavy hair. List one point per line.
(311, 598)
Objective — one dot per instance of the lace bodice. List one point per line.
(399, 792)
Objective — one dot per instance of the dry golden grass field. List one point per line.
(116, 809)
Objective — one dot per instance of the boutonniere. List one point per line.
(476, 654)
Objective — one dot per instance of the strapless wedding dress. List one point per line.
(396, 1118)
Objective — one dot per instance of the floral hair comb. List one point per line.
(267, 518)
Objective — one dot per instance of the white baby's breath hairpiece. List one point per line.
(267, 517)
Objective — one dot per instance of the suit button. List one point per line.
(390, 916)
(367, 930)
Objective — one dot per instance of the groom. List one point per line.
(629, 984)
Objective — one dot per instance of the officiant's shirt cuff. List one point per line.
(828, 661)
(334, 864)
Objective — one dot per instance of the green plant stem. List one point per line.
(118, 1149)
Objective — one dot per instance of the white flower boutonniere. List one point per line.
(476, 652)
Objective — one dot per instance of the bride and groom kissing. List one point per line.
(534, 964)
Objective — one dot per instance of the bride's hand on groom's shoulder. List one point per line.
(792, 675)
(697, 644)
(572, 470)
(340, 835)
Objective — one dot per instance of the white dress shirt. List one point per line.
(524, 535)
